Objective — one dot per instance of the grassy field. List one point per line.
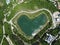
(44, 43)
(54, 32)
(1, 30)
(1, 33)
(1, 24)
(56, 42)
(59, 0)
(5, 42)
(1, 36)
(32, 5)
(16, 40)
(8, 30)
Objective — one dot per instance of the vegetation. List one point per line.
(1, 23)
(56, 42)
(8, 30)
(40, 34)
(5, 42)
(16, 40)
(31, 6)
(54, 32)
(59, 0)
(43, 42)
(1, 36)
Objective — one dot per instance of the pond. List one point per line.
(28, 26)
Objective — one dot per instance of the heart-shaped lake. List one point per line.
(28, 26)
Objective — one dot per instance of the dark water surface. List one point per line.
(28, 26)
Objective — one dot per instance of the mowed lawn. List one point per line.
(32, 5)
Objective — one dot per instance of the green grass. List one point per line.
(59, 0)
(8, 30)
(1, 30)
(56, 42)
(30, 6)
(1, 23)
(1, 36)
(54, 31)
(5, 42)
(1, 33)
(44, 43)
(16, 40)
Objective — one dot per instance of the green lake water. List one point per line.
(28, 26)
